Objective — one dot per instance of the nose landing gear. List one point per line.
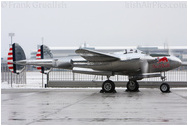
(165, 87)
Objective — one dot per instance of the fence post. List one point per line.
(73, 77)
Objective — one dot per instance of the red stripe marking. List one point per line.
(10, 49)
(39, 68)
(38, 55)
(10, 58)
(10, 53)
(9, 63)
(39, 50)
(10, 67)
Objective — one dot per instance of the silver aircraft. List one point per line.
(132, 63)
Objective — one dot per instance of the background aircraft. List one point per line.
(133, 63)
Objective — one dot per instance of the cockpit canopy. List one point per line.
(127, 51)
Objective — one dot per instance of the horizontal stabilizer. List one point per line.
(43, 62)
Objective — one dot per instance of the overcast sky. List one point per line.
(68, 24)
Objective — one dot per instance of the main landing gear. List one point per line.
(132, 86)
(108, 86)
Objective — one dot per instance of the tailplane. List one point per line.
(15, 53)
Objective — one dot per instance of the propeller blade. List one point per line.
(144, 65)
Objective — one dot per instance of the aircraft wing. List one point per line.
(94, 56)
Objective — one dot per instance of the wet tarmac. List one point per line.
(88, 106)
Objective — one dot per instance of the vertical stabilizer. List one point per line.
(15, 53)
(43, 53)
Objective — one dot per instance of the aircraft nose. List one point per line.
(176, 61)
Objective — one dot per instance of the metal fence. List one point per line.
(67, 75)
(16, 78)
(178, 75)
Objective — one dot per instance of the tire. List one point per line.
(108, 86)
(165, 88)
(132, 86)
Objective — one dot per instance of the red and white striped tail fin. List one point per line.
(43, 53)
(10, 59)
(38, 57)
(15, 54)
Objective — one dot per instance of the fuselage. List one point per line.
(132, 64)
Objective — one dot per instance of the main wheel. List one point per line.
(132, 86)
(108, 86)
(165, 88)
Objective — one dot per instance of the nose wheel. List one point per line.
(165, 87)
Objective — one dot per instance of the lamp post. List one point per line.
(11, 35)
